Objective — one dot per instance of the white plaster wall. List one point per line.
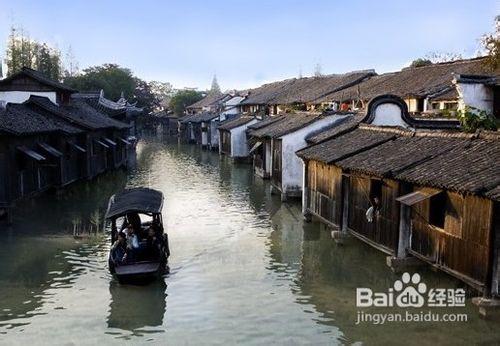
(269, 156)
(389, 114)
(292, 165)
(191, 131)
(475, 95)
(412, 105)
(239, 146)
(21, 96)
(204, 138)
(230, 106)
(304, 177)
(214, 133)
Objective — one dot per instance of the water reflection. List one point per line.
(134, 308)
(245, 268)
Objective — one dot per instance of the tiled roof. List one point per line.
(201, 117)
(234, 123)
(346, 125)
(345, 145)
(266, 93)
(20, 119)
(415, 81)
(472, 165)
(289, 123)
(78, 112)
(466, 163)
(208, 100)
(263, 122)
(38, 76)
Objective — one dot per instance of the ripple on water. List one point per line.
(244, 269)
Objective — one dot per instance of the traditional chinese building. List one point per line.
(414, 190)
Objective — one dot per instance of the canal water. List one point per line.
(244, 268)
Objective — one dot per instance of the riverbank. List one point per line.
(245, 269)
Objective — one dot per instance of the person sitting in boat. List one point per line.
(135, 220)
(132, 244)
(153, 244)
(118, 249)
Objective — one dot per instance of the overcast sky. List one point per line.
(247, 43)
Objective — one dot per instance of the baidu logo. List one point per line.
(410, 292)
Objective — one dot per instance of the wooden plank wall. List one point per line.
(324, 184)
(384, 230)
(463, 245)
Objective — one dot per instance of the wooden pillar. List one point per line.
(345, 204)
(305, 192)
(113, 231)
(494, 275)
(404, 231)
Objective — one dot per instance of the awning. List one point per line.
(50, 149)
(102, 143)
(258, 144)
(77, 147)
(31, 153)
(123, 140)
(416, 197)
(110, 142)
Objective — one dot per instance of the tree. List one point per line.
(111, 78)
(491, 45)
(215, 88)
(472, 119)
(70, 63)
(437, 57)
(163, 92)
(184, 98)
(145, 96)
(318, 70)
(22, 51)
(420, 62)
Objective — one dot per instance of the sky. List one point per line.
(247, 43)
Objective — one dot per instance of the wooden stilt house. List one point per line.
(407, 191)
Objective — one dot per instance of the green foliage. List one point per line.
(491, 44)
(184, 98)
(295, 107)
(163, 91)
(115, 80)
(22, 51)
(420, 62)
(145, 97)
(111, 78)
(472, 119)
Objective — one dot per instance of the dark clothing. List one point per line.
(153, 247)
(117, 252)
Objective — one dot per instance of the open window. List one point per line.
(437, 210)
(375, 190)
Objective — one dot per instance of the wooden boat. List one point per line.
(131, 207)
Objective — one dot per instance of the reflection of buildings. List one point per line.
(135, 307)
(324, 277)
(328, 279)
(28, 276)
(285, 239)
(58, 214)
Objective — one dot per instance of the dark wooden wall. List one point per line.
(324, 186)
(463, 245)
(384, 230)
(277, 165)
(225, 137)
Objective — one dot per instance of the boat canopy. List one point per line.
(139, 200)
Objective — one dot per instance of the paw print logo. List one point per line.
(411, 291)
